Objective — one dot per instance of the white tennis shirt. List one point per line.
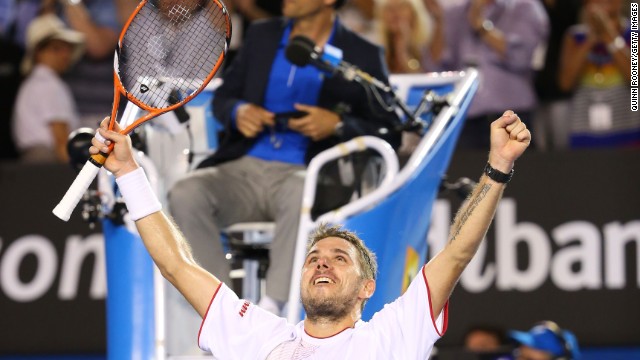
(403, 330)
(43, 98)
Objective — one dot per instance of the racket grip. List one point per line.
(71, 199)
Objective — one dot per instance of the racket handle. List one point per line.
(82, 182)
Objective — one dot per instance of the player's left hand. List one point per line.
(509, 139)
(318, 124)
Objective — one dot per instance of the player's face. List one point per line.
(332, 282)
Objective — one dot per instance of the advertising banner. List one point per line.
(564, 246)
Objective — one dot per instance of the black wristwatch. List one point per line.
(497, 175)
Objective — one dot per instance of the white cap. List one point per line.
(50, 27)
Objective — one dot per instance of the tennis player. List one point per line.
(338, 276)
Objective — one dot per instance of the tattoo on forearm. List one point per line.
(464, 216)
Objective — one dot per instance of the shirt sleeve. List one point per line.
(237, 329)
(409, 323)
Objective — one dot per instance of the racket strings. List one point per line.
(172, 47)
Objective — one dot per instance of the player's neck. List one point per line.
(326, 327)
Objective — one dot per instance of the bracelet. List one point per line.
(497, 175)
(140, 199)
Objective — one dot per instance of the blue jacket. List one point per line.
(247, 76)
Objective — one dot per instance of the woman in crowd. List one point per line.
(596, 64)
(407, 29)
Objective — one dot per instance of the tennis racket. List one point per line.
(167, 53)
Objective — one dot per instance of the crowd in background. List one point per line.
(563, 66)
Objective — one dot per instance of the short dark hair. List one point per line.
(339, 3)
(366, 258)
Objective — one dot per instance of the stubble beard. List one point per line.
(329, 308)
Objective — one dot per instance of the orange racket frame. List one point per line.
(84, 179)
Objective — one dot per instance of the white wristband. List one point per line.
(140, 199)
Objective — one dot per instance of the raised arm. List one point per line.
(509, 139)
(164, 242)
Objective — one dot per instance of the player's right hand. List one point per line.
(120, 161)
(509, 139)
(251, 119)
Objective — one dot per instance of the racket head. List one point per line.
(168, 52)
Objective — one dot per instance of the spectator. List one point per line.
(406, 29)
(596, 65)
(91, 80)
(545, 341)
(358, 15)
(15, 17)
(45, 111)
(499, 38)
(550, 119)
(260, 162)
(484, 338)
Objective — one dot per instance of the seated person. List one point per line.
(484, 338)
(45, 111)
(545, 341)
(259, 166)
